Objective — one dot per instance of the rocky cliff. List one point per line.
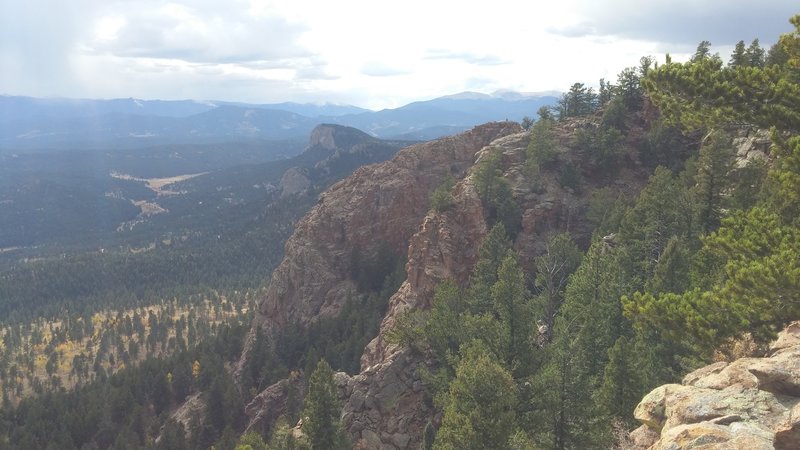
(751, 403)
(380, 205)
(385, 405)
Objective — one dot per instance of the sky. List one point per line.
(369, 53)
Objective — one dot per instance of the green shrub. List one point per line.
(442, 196)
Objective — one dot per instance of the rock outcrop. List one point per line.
(266, 407)
(378, 206)
(381, 204)
(751, 146)
(294, 182)
(323, 136)
(444, 247)
(192, 409)
(751, 403)
(385, 406)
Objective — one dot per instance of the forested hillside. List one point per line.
(702, 265)
(651, 266)
(80, 317)
(555, 276)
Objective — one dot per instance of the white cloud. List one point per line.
(470, 58)
(230, 33)
(381, 69)
(682, 22)
(374, 54)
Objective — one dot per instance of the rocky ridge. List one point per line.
(385, 405)
(751, 403)
(378, 204)
(381, 204)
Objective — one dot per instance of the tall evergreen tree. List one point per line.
(578, 101)
(605, 92)
(621, 388)
(738, 57)
(755, 55)
(753, 286)
(702, 52)
(480, 405)
(713, 165)
(513, 309)
(563, 413)
(662, 211)
(560, 258)
(629, 87)
(321, 412)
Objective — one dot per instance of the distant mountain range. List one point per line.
(27, 122)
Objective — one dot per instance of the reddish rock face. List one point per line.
(379, 205)
(445, 247)
(265, 409)
(387, 204)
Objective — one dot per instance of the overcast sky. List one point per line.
(369, 53)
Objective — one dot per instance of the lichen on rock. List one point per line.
(751, 403)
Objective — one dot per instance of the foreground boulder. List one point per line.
(751, 403)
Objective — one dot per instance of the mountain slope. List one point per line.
(378, 204)
(223, 229)
(388, 203)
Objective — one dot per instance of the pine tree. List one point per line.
(703, 94)
(495, 193)
(752, 283)
(776, 56)
(605, 92)
(479, 412)
(513, 309)
(542, 146)
(663, 210)
(560, 258)
(755, 55)
(702, 52)
(738, 57)
(671, 272)
(578, 101)
(588, 324)
(322, 411)
(629, 88)
(713, 165)
(622, 385)
(545, 113)
(493, 250)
